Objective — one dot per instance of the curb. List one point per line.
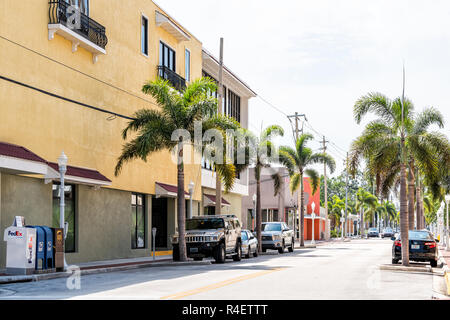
(48, 276)
(389, 267)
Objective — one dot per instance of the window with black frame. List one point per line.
(69, 213)
(83, 5)
(144, 35)
(166, 56)
(137, 221)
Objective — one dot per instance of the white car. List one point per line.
(249, 244)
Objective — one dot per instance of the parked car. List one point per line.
(249, 244)
(211, 236)
(277, 236)
(372, 232)
(422, 247)
(387, 232)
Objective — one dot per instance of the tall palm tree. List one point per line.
(335, 211)
(261, 156)
(154, 129)
(297, 162)
(396, 141)
(365, 201)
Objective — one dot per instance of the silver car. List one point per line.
(277, 236)
(249, 244)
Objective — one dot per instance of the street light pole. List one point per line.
(191, 193)
(62, 165)
(342, 224)
(254, 211)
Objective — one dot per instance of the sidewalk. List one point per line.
(445, 256)
(102, 267)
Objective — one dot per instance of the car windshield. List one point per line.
(244, 235)
(271, 227)
(193, 224)
(388, 230)
(417, 235)
(373, 229)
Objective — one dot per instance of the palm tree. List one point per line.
(261, 156)
(365, 201)
(297, 162)
(396, 141)
(335, 211)
(154, 128)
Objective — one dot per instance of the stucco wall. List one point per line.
(47, 125)
(27, 197)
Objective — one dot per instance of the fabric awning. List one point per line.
(16, 159)
(167, 190)
(80, 175)
(209, 200)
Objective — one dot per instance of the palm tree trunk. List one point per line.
(181, 204)
(419, 218)
(258, 212)
(411, 187)
(302, 213)
(404, 225)
(361, 224)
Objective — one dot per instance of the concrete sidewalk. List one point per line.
(445, 257)
(102, 267)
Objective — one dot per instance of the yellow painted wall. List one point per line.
(47, 125)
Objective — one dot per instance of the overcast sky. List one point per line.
(318, 57)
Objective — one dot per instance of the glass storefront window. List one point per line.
(137, 221)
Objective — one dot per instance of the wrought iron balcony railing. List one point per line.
(88, 28)
(177, 81)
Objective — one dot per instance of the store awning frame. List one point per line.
(164, 190)
(209, 200)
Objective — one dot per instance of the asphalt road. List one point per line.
(338, 270)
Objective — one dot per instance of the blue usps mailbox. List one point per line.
(49, 260)
(40, 248)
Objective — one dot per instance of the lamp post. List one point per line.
(447, 199)
(62, 165)
(191, 193)
(342, 224)
(313, 216)
(254, 211)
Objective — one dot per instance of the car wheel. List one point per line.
(264, 250)
(176, 254)
(291, 248)
(238, 255)
(394, 261)
(281, 250)
(255, 254)
(220, 253)
(433, 263)
(198, 259)
(248, 252)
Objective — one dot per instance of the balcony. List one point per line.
(177, 81)
(77, 28)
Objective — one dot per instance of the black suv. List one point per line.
(211, 236)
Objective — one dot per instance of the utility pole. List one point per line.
(219, 111)
(327, 221)
(297, 116)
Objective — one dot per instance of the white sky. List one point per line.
(318, 57)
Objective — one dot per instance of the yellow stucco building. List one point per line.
(69, 81)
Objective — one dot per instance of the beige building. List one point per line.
(236, 96)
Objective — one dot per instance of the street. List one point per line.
(336, 270)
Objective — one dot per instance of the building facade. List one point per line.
(235, 104)
(69, 82)
(284, 206)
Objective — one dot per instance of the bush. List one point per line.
(335, 234)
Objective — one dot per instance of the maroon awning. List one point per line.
(167, 190)
(15, 151)
(212, 198)
(81, 173)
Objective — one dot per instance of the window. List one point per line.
(69, 213)
(234, 106)
(137, 221)
(144, 35)
(166, 56)
(187, 65)
(83, 5)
